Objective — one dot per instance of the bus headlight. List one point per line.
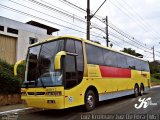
(54, 93)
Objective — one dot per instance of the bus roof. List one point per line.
(86, 41)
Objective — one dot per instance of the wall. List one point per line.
(24, 32)
(10, 99)
(23, 42)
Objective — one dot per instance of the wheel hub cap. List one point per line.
(90, 100)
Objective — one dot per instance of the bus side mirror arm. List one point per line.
(57, 60)
(16, 66)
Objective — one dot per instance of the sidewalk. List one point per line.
(12, 107)
(17, 108)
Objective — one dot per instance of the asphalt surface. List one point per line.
(119, 108)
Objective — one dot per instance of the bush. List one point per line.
(8, 83)
(156, 75)
(154, 67)
(21, 71)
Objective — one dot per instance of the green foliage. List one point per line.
(21, 71)
(8, 83)
(132, 52)
(5, 65)
(155, 72)
(154, 67)
(156, 75)
(154, 81)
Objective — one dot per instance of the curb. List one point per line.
(15, 110)
(156, 86)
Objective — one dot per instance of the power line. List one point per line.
(130, 15)
(6, 7)
(81, 19)
(111, 34)
(121, 8)
(55, 23)
(140, 19)
(132, 44)
(128, 38)
(46, 14)
(69, 3)
(116, 29)
(48, 20)
(115, 42)
(56, 18)
(83, 10)
(70, 15)
(119, 45)
(103, 22)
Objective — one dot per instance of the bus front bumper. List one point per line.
(55, 102)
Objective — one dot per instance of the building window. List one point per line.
(1, 28)
(11, 30)
(32, 40)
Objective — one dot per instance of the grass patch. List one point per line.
(155, 81)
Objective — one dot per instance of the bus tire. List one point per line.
(136, 90)
(90, 100)
(141, 91)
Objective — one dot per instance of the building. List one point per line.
(15, 37)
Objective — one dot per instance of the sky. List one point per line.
(138, 19)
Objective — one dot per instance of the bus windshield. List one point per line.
(40, 65)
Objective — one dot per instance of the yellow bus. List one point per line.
(67, 71)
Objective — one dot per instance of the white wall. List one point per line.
(23, 42)
(25, 31)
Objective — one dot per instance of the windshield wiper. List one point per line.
(42, 83)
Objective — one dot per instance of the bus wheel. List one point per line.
(90, 100)
(141, 91)
(136, 90)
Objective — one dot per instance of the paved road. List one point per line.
(111, 109)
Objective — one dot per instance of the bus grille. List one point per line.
(36, 93)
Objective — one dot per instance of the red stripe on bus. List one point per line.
(115, 72)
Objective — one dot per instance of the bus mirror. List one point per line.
(72, 54)
(57, 60)
(16, 66)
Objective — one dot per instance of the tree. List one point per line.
(132, 52)
(154, 67)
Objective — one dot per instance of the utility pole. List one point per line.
(88, 19)
(107, 41)
(153, 55)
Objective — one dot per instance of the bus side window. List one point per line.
(131, 63)
(121, 60)
(137, 64)
(144, 66)
(70, 71)
(80, 60)
(73, 64)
